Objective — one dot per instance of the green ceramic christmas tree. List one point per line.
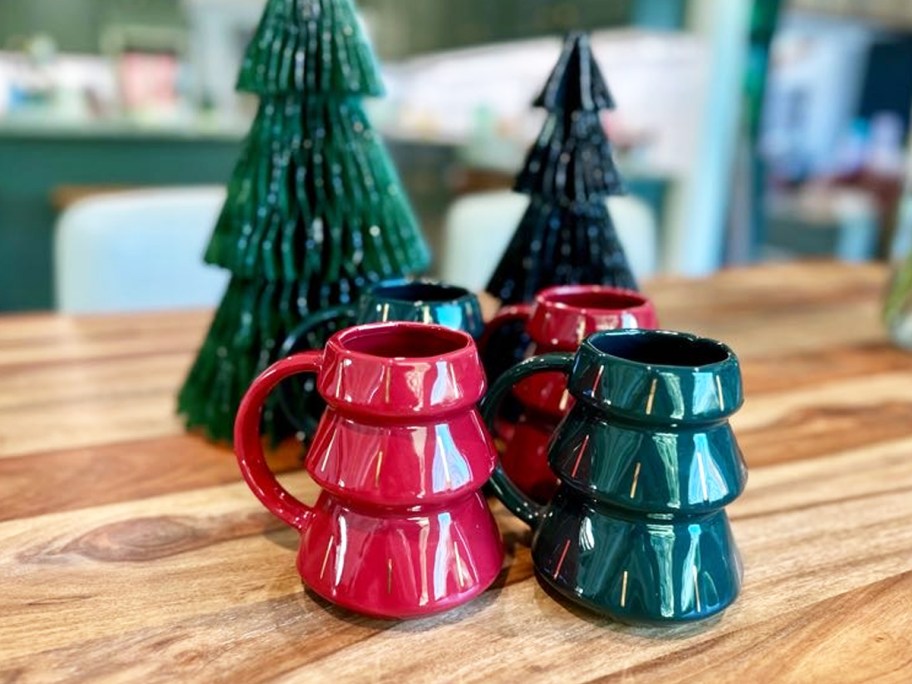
(315, 209)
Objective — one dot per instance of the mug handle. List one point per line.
(507, 315)
(248, 441)
(522, 506)
(345, 314)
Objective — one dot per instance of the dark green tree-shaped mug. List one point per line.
(647, 461)
(416, 300)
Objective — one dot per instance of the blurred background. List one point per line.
(747, 130)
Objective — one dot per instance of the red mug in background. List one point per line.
(558, 320)
(400, 528)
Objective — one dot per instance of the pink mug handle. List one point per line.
(248, 442)
(507, 315)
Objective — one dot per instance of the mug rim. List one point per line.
(376, 291)
(707, 345)
(463, 342)
(547, 298)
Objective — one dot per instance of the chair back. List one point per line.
(479, 226)
(138, 251)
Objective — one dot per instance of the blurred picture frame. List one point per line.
(147, 62)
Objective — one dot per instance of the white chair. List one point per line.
(479, 226)
(138, 251)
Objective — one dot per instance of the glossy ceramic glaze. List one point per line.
(647, 461)
(400, 528)
(559, 319)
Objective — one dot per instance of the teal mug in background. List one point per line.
(415, 300)
(647, 461)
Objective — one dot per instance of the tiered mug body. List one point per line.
(641, 571)
(559, 320)
(400, 528)
(402, 563)
(647, 461)
(401, 454)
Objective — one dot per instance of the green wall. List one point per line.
(33, 166)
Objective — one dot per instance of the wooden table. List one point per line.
(131, 551)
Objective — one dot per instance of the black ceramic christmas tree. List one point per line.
(566, 235)
(315, 209)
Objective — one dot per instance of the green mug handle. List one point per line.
(345, 314)
(523, 507)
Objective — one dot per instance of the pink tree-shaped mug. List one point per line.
(400, 527)
(558, 320)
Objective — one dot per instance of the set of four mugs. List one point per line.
(621, 459)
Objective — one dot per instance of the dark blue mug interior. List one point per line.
(656, 347)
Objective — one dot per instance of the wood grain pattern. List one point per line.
(130, 551)
(80, 478)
